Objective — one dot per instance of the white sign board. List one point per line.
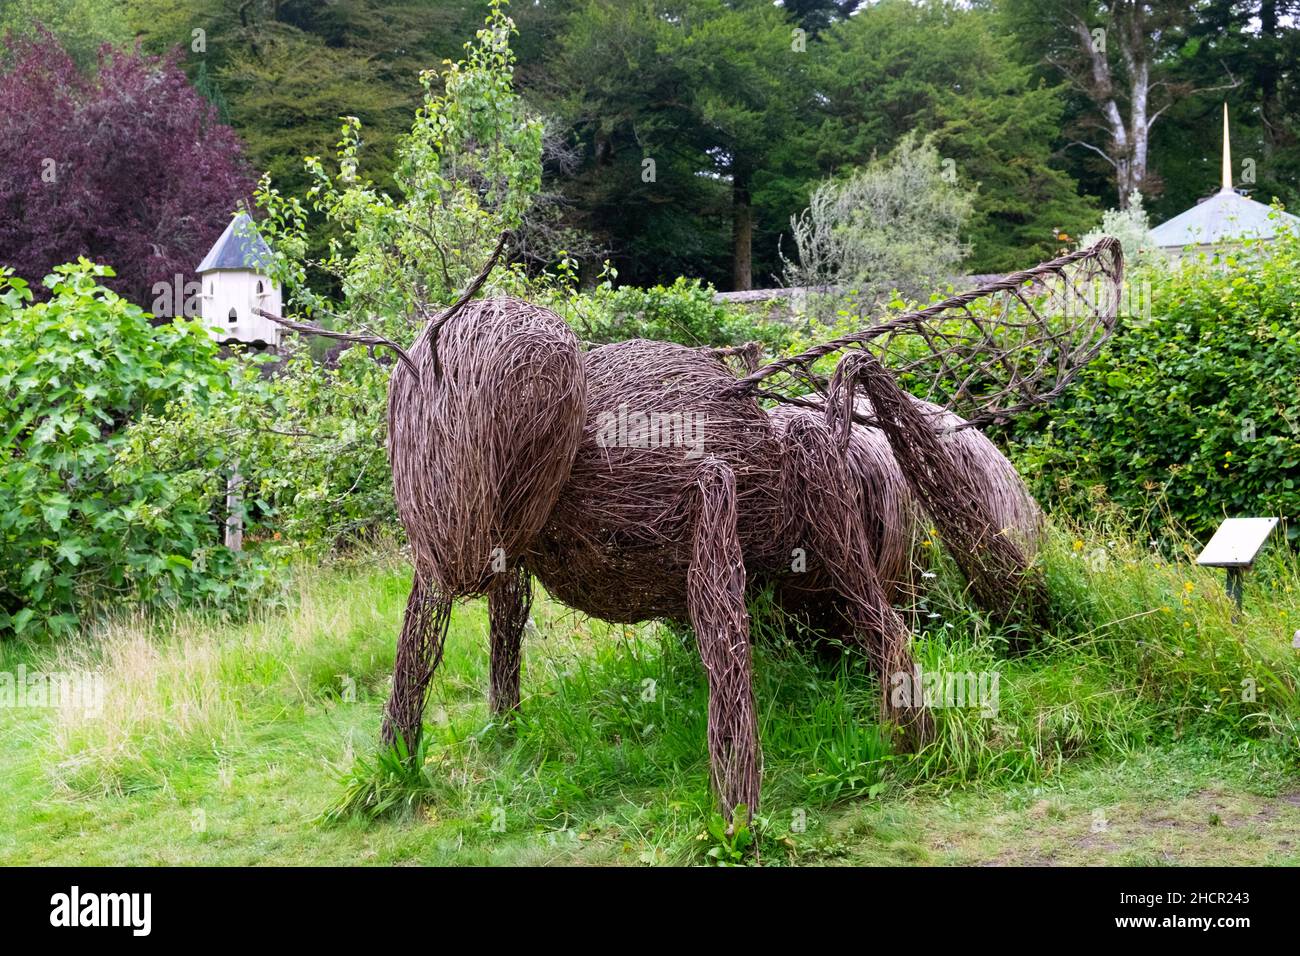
(1237, 542)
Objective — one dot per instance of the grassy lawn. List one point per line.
(1127, 737)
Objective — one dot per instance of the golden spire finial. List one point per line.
(1227, 154)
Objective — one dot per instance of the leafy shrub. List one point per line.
(893, 224)
(1132, 227)
(312, 438)
(76, 523)
(683, 312)
(469, 168)
(1192, 414)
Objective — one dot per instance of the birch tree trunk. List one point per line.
(1128, 136)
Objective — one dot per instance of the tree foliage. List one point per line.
(467, 171)
(744, 105)
(689, 113)
(948, 70)
(284, 72)
(82, 27)
(125, 164)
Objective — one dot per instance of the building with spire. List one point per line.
(1224, 219)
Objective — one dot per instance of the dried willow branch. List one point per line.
(309, 328)
(477, 283)
(470, 291)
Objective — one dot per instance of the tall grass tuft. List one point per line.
(182, 686)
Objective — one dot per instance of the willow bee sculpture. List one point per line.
(646, 480)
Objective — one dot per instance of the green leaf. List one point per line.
(71, 551)
(35, 571)
(55, 512)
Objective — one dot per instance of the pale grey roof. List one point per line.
(240, 247)
(1226, 216)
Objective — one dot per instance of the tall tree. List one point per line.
(1121, 56)
(126, 165)
(949, 70)
(694, 97)
(285, 72)
(288, 70)
(467, 171)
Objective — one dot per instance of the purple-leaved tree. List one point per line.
(127, 165)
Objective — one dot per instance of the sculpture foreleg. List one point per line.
(715, 587)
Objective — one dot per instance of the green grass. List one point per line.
(1126, 735)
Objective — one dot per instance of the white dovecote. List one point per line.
(235, 284)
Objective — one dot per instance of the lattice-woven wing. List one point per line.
(985, 354)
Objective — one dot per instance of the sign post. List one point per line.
(1234, 547)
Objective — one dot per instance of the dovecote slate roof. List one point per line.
(240, 247)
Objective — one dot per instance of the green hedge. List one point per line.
(1190, 415)
(683, 312)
